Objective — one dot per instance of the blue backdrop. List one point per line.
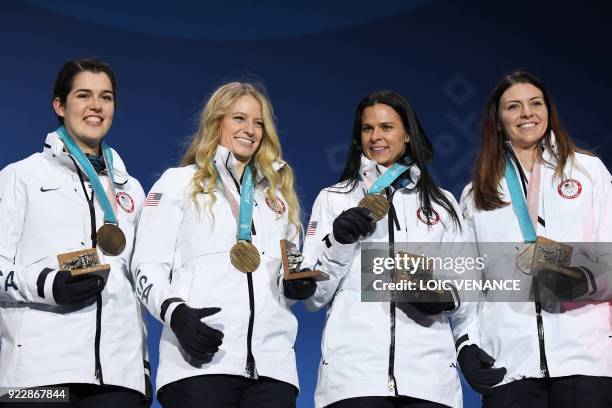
(317, 59)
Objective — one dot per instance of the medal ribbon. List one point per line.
(526, 211)
(387, 178)
(244, 213)
(79, 156)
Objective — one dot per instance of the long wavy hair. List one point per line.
(419, 148)
(490, 163)
(204, 142)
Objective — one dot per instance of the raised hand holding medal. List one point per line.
(111, 240)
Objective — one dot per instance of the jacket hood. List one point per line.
(225, 160)
(55, 147)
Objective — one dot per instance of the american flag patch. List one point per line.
(312, 228)
(152, 199)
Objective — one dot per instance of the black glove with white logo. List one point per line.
(353, 223)
(565, 283)
(299, 289)
(81, 289)
(196, 337)
(477, 368)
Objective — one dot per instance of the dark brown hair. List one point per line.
(70, 69)
(419, 148)
(490, 163)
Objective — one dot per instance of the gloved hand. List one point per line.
(70, 290)
(477, 368)
(428, 302)
(565, 286)
(299, 289)
(196, 337)
(353, 223)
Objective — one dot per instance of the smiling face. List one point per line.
(383, 137)
(88, 110)
(523, 114)
(242, 128)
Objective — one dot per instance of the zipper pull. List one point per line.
(251, 371)
(391, 384)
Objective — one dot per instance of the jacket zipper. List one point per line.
(94, 242)
(391, 383)
(538, 307)
(536, 293)
(250, 369)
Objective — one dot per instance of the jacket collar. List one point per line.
(55, 147)
(226, 162)
(547, 155)
(371, 170)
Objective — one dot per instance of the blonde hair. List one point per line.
(203, 145)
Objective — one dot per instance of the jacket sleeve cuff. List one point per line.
(463, 341)
(44, 286)
(167, 308)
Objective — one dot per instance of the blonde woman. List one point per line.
(207, 261)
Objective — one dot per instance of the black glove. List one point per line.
(196, 337)
(353, 223)
(428, 302)
(565, 283)
(299, 289)
(477, 368)
(70, 290)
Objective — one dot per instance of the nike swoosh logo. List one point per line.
(44, 190)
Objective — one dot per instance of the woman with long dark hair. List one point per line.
(387, 353)
(66, 323)
(532, 182)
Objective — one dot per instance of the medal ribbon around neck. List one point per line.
(111, 239)
(374, 200)
(387, 178)
(527, 216)
(243, 255)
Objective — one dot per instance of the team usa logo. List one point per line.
(278, 206)
(432, 220)
(125, 201)
(569, 189)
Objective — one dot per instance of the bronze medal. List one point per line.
(524, 260)
(111, 240)
(377, 204)
(244, 256)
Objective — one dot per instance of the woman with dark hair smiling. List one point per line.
(531, 181)
(372, 354)
(67, 324)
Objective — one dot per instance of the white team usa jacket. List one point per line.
(358, 354)
(182, 255)
(44, 212)
(576, 339)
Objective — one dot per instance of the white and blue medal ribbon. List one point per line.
(518, 203)
(387, 178)
(374, 200)
(524, 259)
(244, 256)
(245, 216)
(111, 239)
